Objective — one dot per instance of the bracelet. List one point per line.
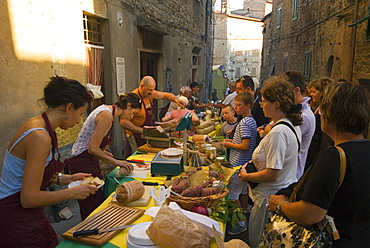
(278, 208)
(58, 178)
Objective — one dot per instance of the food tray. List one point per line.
(111, 216)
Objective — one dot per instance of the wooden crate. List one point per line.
(111, 216)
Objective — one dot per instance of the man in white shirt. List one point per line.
(308, 126)
(229, 99)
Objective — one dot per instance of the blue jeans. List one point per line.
(257, 222)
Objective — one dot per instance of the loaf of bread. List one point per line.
(130, 191)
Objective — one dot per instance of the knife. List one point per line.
(136, 161)
(151, 183)
(98, 231)
(131, 161)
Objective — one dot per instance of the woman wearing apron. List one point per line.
(92, 140)
(32, 163)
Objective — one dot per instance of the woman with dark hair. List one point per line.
(345, 114)
(276, 156)
(320, 140)
(92, 140)
(31, 164)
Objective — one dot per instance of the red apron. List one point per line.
(148, 122)
(29, 227)
(88, 163)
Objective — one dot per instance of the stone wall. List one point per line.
(42, 38)
(321, 28)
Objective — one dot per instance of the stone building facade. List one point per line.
(171, 40)
(315, 37)
(237, 45)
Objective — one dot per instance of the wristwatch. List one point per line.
(278, 208)
(59, 178)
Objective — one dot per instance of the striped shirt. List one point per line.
(246, 129)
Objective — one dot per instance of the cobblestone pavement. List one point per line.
(64, 225)
(243, 236)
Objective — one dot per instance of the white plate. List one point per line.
(137, 235)
(172, 152)
(77, 183)
(137, 167)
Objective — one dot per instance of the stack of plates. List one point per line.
(171, 152)
(137, 237)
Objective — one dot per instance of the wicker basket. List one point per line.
(189, 202)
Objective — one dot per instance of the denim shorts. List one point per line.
(237, 187)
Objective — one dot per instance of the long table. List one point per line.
(111, 183)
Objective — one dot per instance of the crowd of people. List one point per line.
(284, 129)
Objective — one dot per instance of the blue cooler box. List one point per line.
(164, 165)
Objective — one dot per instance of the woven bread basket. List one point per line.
(188, 202)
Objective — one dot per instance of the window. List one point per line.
(307, 65)
(196, 9)
(93, 30)
(279, 13)
(368, 27)
(237, 72)
(194, 63)
(285, 63)
(295, 10)
(94, 53)
(254, 72)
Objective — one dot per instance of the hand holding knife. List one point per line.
(134, 161)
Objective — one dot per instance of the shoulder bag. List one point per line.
(282, 232)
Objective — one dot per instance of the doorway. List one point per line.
(149, 67)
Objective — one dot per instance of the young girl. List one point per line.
(92, 140)
(31, 164)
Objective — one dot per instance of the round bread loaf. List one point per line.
(236, 243)
(130, 191)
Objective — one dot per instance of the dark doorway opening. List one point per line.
(149, 67)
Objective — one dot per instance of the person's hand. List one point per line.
(127, 165)
(78, 176)
(83, 191)
(228, 132)
(274, 201)
(261, 131)
(226, 142)
(180, 103)
(243, 173)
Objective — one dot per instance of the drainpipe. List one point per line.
(353, 43)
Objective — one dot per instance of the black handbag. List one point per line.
(282, 232)
(250, 168)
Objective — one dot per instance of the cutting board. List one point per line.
(147, 148)
(111, 216)
(142, 202)
(139, 173)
